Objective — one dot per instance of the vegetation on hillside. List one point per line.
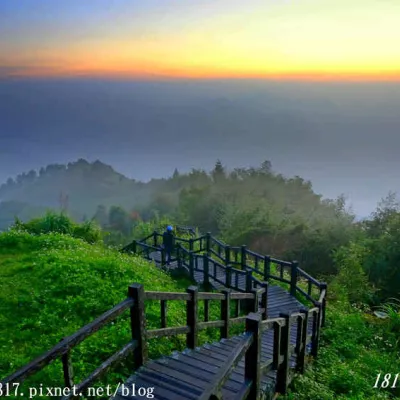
(356, 346)
(53, 269)
(254, 206)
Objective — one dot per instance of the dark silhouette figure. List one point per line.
(168, 243)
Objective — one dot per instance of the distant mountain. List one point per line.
(78, 186)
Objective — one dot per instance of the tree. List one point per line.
(119, 220)
(101, 216)
(387, 208)
(31, 176)
(218, 173)
(266, 167)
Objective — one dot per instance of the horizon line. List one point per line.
(287, 77)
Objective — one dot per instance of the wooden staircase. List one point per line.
(285, 311)
(220, 366)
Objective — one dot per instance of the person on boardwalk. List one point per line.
(168, 243)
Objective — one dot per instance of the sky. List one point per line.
(147, 86)
(307, 39)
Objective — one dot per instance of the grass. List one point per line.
(52, 284)
(355, 348)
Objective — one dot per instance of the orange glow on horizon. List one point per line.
(268, 39)
(200, 74)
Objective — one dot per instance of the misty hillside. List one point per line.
(78, 186)
(258, 206)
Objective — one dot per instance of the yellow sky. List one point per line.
(306, 38)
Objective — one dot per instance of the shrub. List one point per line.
(351, 275)
(60, 223)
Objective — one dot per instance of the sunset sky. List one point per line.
(314, 39)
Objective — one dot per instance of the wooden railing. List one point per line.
(138, 345)
(63, 349)
(233, 262)
(256, 324)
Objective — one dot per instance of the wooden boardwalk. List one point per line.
(187, 375)
(280, 332)
(216, 275)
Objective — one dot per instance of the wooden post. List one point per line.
(282, 374)
(208, 243)
(206, 268)
(134, 246)
(243, 257)
(252, 360)
(256, 300)
(267, 268)
(277, 345)
(191, 317)
(67, 369)
(293, 278)
(316, 330)
(163, 305)
(155, 238)
(179, 255)
(227, 255)
(249, 280)
(248, 304)
(206, 310)
(264, 302)
(163, 261)
(191, 265)
(237, 308)
(225, 313)
(190, 244)
(228, 276)
(301, 357)
(138, 323)
(322, 287)
(299, 334)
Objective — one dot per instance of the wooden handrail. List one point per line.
(166, 296)
(104, 367)
(254, 254)
(304, 274)
(322, 296)
(184, 256)
(229, 365)
(281, 262)
(67, 344)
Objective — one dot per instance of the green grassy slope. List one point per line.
(355, 348)
(51, 285)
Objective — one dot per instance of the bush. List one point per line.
(60, 223)
(351, 275)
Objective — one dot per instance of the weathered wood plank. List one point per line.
(166, 296)
(173, 331)
(210, 324)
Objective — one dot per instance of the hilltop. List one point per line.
(79, 186)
